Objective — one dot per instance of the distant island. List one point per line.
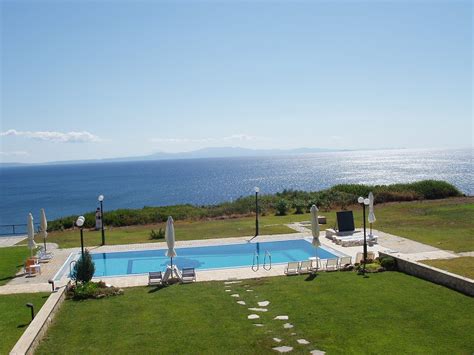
(212, 152)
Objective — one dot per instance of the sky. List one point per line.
(103, 79)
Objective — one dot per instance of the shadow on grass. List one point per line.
(157, 288)
(311, 277)
(20, 326)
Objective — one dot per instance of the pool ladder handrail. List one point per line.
(269, 266)
(70, 269)
(255, 267)
(70, 266)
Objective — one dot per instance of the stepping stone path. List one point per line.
(283, 349)
(262, 304)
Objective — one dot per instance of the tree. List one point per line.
(84, 268)
(282, 207)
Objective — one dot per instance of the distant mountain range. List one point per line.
(216, 152)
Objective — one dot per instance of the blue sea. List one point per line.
(73, 189)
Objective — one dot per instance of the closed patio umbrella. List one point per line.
(315, 225)
(169, 236)
(44, 227)
(315, 230)
(371, 217)
(31, 233)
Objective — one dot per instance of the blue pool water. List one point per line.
(206, 257)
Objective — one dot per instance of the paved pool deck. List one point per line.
(11, 241)
(387, 243)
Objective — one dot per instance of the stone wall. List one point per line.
(39, 325)
(438, 276)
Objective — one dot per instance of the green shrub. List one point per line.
(394, 196)
(434, 189)
(84, 268)
(92, 290)
(282, 207)
(157, 235)
(388, 263)
(353, 189)
(299, 207)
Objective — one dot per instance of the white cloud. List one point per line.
(17, 153)
(233, 138)
(51, 136)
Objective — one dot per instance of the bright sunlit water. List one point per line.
(73, 189)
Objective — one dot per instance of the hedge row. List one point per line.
(339, 196)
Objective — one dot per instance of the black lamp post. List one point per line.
(364, 202)
(101, 199)
(257, 190)
(80, 224)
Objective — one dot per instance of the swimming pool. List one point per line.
(205, 257)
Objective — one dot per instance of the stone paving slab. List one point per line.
(428, 255)
(11, 241)
(283, 349)
(466, 253)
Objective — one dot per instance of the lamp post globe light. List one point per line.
(257, 190)
(101, 200)
(80, 223)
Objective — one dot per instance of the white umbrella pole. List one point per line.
(317, 262)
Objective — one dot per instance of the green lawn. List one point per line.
(15, 317)
(340, 313)
(446, 224)
(463, 266)
(236, 227)
(11, 260)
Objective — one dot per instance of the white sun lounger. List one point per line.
(45, 257)
(188, 275)
(155, 278)
(354, 240)
(344, 261)
(292, 268)
(315, 264)
(331, 264)
(304, 267)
